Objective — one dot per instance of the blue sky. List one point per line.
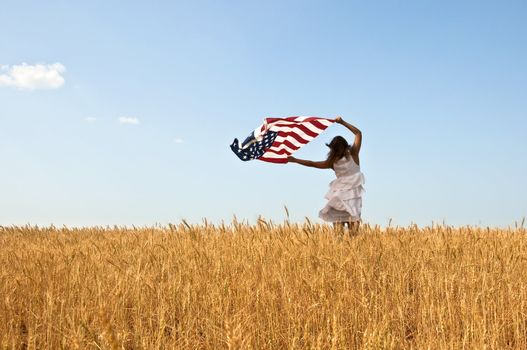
(437, 87)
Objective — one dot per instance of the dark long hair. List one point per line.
(338, 148)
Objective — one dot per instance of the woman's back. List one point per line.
(345, 166)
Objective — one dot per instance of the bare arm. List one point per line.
(358, 134)
(319, 165)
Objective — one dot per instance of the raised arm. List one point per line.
(358, 134)
(319, 165)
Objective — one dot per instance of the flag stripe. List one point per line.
(273, 160)
(280, 152)
(319, 125)
(290, 135)
(302, 127)
(297, 132)
(270, 154)
(313, 127)
(322, 123)
(290, 142)
(276, 146)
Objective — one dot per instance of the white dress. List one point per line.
(345, 193)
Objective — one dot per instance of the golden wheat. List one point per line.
(263, 286)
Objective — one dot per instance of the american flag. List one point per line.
(277, 138)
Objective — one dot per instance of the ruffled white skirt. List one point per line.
(344, 199)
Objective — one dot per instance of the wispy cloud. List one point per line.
(178, 140)
(90, 119)
(129, 120)
(33, 77)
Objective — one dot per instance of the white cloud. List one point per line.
(90, 119)
(129, 120)
(33, 77)
(178, 140)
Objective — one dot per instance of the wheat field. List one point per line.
(263, 286)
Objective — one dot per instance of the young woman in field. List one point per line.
(345, 192)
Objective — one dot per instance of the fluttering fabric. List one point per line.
(278, 138)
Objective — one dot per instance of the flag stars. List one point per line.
(254, 149)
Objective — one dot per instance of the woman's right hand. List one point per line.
(338, 119)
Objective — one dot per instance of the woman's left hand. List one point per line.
(291, 159)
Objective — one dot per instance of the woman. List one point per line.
(345, 192)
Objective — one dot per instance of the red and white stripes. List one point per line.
(293, 133)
